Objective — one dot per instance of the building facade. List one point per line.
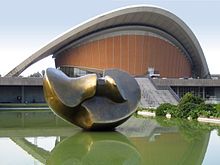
(142, 40)
(131, 50)
(133, 39)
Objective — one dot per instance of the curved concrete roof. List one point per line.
(131, 15)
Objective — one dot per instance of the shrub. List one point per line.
(206, 110)
(187, 109)
(210, 109)
(165, 108)
(173, 111)
(189, 106)
(217, 114)
(194, 114)
(217, 108)
(160, 111)
(190, 98)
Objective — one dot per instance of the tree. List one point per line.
(43, 72)
(37, 74)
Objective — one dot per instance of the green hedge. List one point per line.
(189, 106)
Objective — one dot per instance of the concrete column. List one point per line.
(22, 94)
(178, 91)
(203, 92)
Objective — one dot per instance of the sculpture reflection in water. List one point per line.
(90, 102)
(140, 141)
(107, 148)
(95, 148)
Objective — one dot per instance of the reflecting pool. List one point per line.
(40, 137)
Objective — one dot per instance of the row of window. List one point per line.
(75, 72)
(205, 92)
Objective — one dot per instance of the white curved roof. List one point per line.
(131, 15)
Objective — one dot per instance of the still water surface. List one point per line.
(33, 138)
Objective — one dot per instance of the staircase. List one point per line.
(151, 96)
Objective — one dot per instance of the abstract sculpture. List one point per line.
(90, 102)
(94, 148)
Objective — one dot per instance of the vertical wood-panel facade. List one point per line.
(132, 53)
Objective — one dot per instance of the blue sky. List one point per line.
(26, 26)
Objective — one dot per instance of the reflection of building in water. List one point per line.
(36, 152)
(143, 139)
(170, 148)
(31, 124)
(136, 127)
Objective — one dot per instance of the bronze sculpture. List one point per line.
(94, 148)
(90, 102)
